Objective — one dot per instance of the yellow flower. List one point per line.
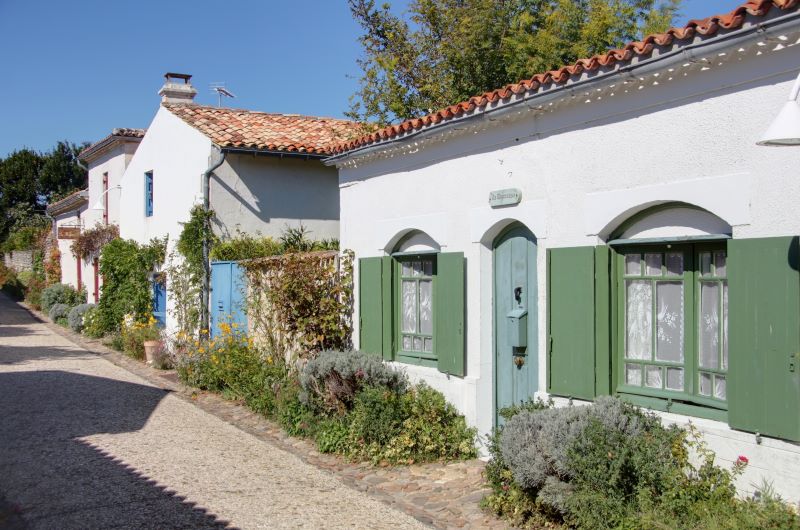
(269, 359)
(214, 359)
(234, 325)
(200, 350)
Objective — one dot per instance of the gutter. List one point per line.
(267, 152)
(204, 291)
(760, 31)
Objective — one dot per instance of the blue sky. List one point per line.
(76, 69)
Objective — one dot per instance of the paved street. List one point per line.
(86, 444)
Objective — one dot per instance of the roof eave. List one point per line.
(273, 153)
(68, 204)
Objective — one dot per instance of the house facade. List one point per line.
(264, 171)
(607, 228)
(105, 163)
(69, 219)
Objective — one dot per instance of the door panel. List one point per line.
(515, 288)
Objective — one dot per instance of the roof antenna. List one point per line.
(219, 88)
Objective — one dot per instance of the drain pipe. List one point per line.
(204, 310)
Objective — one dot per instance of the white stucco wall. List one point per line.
(584, 165)
(265, 194)
(69, 264)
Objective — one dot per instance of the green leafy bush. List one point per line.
(58, 311)
(59, 293)
(12, 283)
(245, 246)
(135, 333)
(75, 316)
(34, 290)
(331, 381)
(92, 326)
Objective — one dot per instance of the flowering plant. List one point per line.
(135, 332)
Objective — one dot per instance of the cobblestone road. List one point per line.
(87, 444)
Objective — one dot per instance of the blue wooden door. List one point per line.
(515, 317)
(228, 286)
(160, 301)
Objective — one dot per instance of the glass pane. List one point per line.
(705, 263)
(427, 268)
(720, 264)
(709, 324)
(406, 268)
(669, 343)
(429, 345)
(725, 326)
(417, 343)
(653, 264)
(705, 384)
(639, 319)
(674, 264)
(675, 378)
(633, 374)
(720, 387)
(653, 377)
(409, 306)
(426, 307)
(408, 343)
(633, 265)
(416, 266)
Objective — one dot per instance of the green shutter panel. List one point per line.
(374, 277)
(764, 330)
(449, 312)
(571, 321)
(602, 319)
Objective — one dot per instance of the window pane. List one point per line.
(426, 307)
(720, 387)
(639, 320)
(633, 374)
(633, 265)
(417, 343)
(653, 264)
(416, 267)
(720, 264)
(653, 377)
(429, 345)
(705, 263)
(725, 326)
(675, 378)
(674, 264)
(409, 306)
(408, 342)
(427, 268)
(669, 344)
(705, 384)
(406, 268)
(709, 324)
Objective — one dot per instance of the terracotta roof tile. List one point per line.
(121, 132)
(706, 27)
(262, 131)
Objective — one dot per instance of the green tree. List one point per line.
(19, 176)
(60, 173)
(444, 51)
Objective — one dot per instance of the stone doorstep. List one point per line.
(416, 490)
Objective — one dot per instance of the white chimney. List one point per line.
(177, 89)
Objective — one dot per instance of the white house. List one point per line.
(264, 170)
(69, 218)
(105, 162)
(589, 231)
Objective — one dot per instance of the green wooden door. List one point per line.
(764, 287)
(515, 290)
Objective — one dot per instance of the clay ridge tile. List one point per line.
(706, 27)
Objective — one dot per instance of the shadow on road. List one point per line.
(54, 480)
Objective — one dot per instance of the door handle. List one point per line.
(518, 294)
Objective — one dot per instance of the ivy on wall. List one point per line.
(301, 303)
(90, 242)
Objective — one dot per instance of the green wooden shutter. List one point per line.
(571, 321)
(764, 329)
(449, 312)
(374, 302)
(603, 263)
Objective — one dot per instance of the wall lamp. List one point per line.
(785, 129)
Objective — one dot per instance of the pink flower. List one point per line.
(360, 373)
(742, 460)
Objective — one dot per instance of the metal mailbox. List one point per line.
(518, 328)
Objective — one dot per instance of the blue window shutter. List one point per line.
(148, 194)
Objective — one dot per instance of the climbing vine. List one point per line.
(301, 303)
(90, 242)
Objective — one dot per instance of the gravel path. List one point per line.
(87, 444)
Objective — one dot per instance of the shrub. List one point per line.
(75, 316)
(332, 435)
(33, 294)
(58, 311)
(91, 323)
(11, 282)
(331, 381)
(245, 246)
(59, 293)
(377, 417)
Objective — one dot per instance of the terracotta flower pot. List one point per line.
(153, 351)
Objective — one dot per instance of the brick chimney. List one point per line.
(177, 89)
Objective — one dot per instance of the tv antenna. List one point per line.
(221, 91)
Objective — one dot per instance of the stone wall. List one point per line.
(19, 260)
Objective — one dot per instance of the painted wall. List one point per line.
(265, 194)
(584, 165)
(69, 264)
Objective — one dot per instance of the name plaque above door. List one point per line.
(507, 197)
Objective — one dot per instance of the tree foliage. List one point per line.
(444, 51)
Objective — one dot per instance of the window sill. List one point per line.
(410, 358)
(676, 407)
